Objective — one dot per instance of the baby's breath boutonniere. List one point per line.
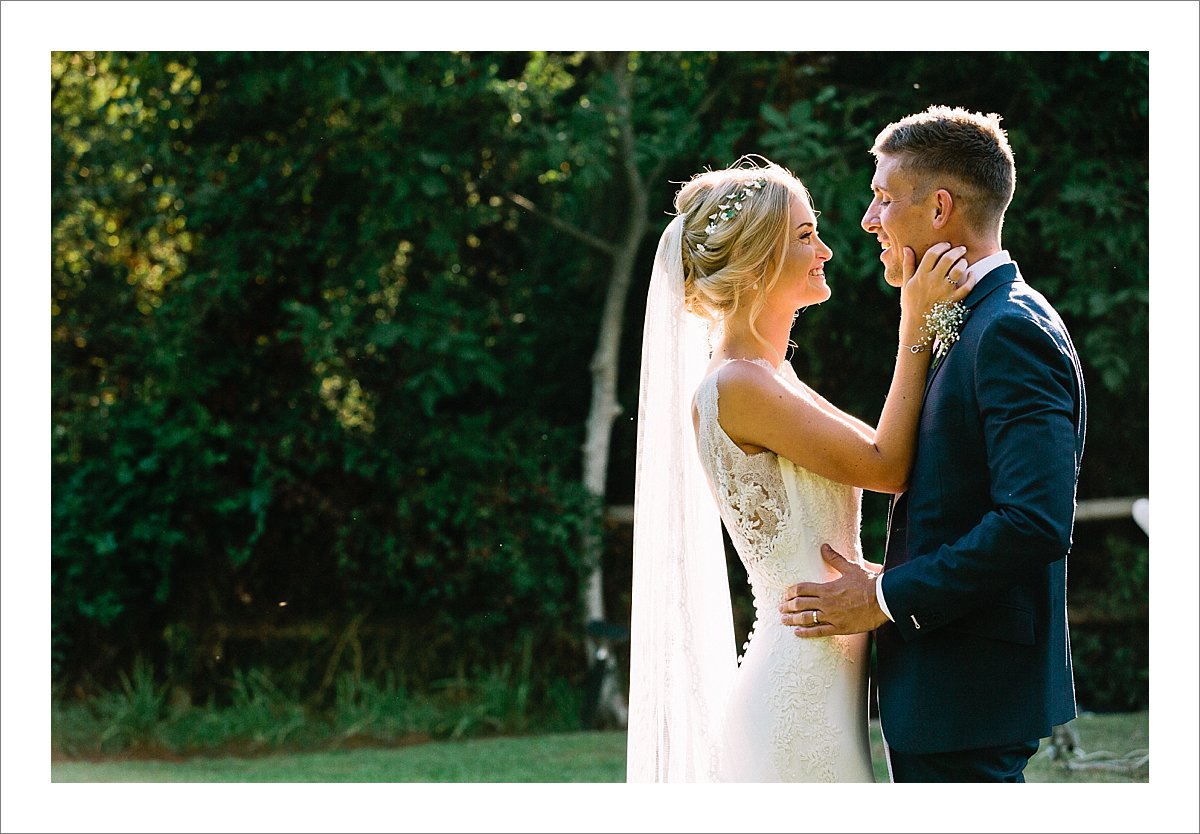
(942, 322)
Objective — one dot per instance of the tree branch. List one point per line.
(562, 225)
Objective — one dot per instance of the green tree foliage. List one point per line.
(328, 397)
(313, 363)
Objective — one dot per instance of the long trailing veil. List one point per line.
(682, 657)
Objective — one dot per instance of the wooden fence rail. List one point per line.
(1089, 509)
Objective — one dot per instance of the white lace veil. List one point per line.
(682, 656)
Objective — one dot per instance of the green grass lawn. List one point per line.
(565, 757)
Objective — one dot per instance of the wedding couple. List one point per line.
(979, 442)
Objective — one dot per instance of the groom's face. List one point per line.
(901, 214)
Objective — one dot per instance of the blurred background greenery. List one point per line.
(322, 327)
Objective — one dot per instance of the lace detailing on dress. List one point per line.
(750, 489)
(805, 741)
(798, 712)
(764, 499)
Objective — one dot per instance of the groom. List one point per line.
(974, 658)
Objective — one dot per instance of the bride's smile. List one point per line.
(802, 278)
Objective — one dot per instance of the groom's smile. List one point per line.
(896, 217)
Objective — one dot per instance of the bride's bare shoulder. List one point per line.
(747, 381)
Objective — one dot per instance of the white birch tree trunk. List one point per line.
(604, 408)
(604, 366)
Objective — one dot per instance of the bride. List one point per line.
(782, 467)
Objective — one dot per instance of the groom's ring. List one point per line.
(816, 619)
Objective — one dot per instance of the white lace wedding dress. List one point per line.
(798, 710)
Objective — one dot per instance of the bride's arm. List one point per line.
(830, 408)
(758, 410)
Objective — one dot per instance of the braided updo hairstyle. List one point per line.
(722, 266)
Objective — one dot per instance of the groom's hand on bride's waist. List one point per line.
(846, 605)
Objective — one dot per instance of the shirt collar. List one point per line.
(985, 265)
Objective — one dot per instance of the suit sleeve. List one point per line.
(1027, 389)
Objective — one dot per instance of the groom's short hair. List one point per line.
(970, 149)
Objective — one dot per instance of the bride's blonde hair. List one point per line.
(735, 234)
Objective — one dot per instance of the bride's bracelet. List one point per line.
(919, 347)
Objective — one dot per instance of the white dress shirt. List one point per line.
(981, 268)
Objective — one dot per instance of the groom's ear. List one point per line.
(943, 207)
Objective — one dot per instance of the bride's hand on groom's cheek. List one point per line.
(944, 268)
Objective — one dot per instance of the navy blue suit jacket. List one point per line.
(976, 565)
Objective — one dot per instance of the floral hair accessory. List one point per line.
(729, 208)
(943, 322)
(732, 205)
